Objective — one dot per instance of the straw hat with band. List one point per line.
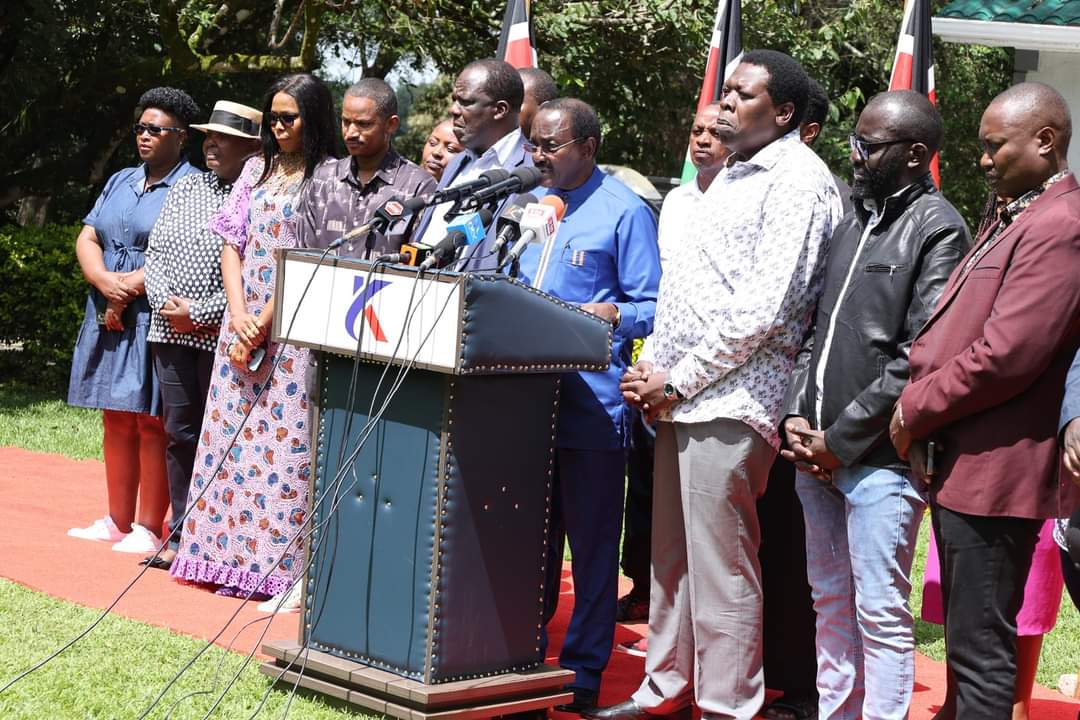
(233, 119)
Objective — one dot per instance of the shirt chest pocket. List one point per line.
(579, 271)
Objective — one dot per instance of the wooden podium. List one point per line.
(434, 447)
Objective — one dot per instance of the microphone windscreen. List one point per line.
(495, 175)
(556, 202)
(472, 226)
(417, 202)
(528, 176)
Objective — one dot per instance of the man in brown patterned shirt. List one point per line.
(344, 195)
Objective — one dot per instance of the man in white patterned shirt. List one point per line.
(734, 306)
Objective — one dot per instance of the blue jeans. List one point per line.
(860, 542)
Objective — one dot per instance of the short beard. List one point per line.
(880, 182)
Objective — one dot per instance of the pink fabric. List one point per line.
(193, 570)
(254, 507)
(1042, 593)
(231, 220)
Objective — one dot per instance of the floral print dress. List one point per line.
(246, 519)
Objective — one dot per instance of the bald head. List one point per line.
(1025, 136)
(1034, 106)
(910, 115)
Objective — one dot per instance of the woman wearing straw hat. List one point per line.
(187, 297)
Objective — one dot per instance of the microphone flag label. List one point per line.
(361, 303)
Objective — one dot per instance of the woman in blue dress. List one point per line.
(111, 368)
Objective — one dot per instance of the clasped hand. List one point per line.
(807, 450)
(177, 311)
(118, 295)
(249, 332)
(643, 387)
(1071, 449)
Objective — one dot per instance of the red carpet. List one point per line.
(44, 495)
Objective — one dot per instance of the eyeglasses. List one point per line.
(287, 119)
(154, 130)
(863, 147)
(550, 149)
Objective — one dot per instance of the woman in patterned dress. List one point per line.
(242, 522)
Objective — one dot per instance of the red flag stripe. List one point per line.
(516, 40)
(913, 64)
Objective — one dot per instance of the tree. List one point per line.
(78, 66)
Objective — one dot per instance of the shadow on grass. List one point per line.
(285, 687)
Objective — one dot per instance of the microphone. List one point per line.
(509, 222)
(522, 179)
(457, 192)
(444, 251)
(410, 254)
(465, 230)
(538, 225)
(391, 211)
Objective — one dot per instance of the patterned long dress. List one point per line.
(256, 504)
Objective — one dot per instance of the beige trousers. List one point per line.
(705, 604)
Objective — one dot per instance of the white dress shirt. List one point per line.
(738, 297)
(496, 156)
(681, 205)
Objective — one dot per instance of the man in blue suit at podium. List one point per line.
(605, 259)
(487, 98)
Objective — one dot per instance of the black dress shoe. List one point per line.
(584, 702)
(630, 710)
(632, 608)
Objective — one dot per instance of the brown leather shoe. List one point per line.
(630, 710)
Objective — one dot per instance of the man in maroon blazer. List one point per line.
(987, 379)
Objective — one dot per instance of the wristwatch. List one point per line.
(672, 393)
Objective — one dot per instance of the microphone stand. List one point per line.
(369, 244)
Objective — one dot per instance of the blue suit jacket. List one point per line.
(478, 257)
(1070, 406)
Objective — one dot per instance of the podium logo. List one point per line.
(361, 303)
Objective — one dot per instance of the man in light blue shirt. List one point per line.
(604, 258)
(487, 98)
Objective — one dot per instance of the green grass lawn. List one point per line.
(116, 671)
(43, 422)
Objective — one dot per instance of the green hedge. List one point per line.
(42, 298)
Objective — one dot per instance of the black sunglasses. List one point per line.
(287, 119)
(863, 148)
(155, 130)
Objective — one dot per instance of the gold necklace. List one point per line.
(288, 169)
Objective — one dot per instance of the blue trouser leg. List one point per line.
(589, 498)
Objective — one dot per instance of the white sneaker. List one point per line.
(1067, 684)
(139, 540)
(290, 603)
(104, 530)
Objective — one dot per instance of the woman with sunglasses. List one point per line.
(111, 367)
(254, 451)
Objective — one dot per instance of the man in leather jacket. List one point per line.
(888, 262)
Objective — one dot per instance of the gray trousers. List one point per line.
(705, 604)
